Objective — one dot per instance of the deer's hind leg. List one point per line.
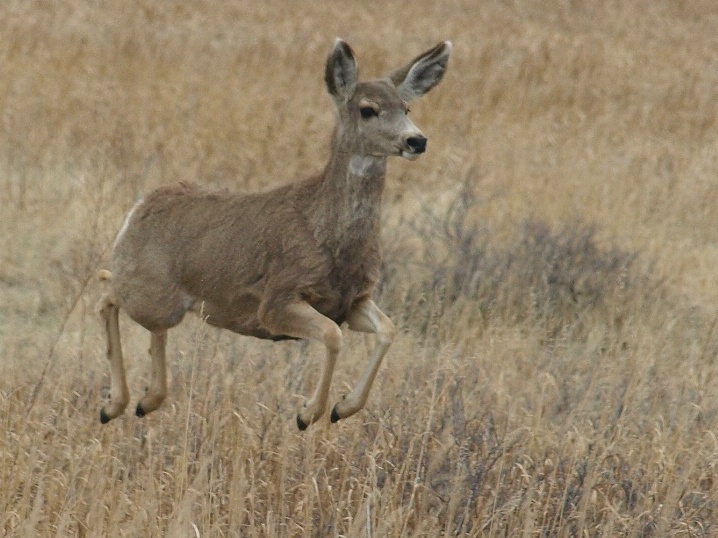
(157, 390)
(119, 394)
(365, 316)
(157, 306)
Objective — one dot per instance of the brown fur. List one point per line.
(294, 262)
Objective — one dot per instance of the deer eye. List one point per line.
(368, 112)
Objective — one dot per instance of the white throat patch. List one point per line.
(362, 165)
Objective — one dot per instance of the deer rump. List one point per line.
(227, 257)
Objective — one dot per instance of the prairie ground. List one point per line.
(550, 264)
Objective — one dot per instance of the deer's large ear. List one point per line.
(422, 73)
(341, 73)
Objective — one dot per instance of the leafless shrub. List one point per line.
(556, 275)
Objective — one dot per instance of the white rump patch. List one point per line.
(126, 223)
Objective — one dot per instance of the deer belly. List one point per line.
(238, 315)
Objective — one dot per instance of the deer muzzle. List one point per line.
(414, 147)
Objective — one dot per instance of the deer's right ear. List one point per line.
(341, 73)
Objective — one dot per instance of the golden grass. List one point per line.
(549, 378)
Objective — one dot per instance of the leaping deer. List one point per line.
(294, 262)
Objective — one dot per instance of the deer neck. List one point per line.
(349, 197)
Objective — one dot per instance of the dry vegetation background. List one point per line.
(550, 264)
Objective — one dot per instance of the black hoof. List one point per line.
(140, 412)
(335, 416)
(301, 424)
(104, 419)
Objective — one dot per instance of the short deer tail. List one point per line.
(103, 275)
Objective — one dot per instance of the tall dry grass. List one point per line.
(550, 265)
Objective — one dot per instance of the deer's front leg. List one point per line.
(301, 320)
(365, 316)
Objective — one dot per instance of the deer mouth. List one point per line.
(410, 155)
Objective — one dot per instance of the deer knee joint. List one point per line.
(387, 333)
(333, 338)
(105, 305)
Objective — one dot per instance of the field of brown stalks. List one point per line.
(550, 264)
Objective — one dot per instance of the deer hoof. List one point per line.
(301, 424)
(335, 416)
(104, 419)
(140, 412)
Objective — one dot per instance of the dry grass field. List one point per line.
(550, 264)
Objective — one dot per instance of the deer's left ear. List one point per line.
(422, 73)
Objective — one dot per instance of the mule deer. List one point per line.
(295, 262)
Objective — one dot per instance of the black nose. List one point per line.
(416, 143)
